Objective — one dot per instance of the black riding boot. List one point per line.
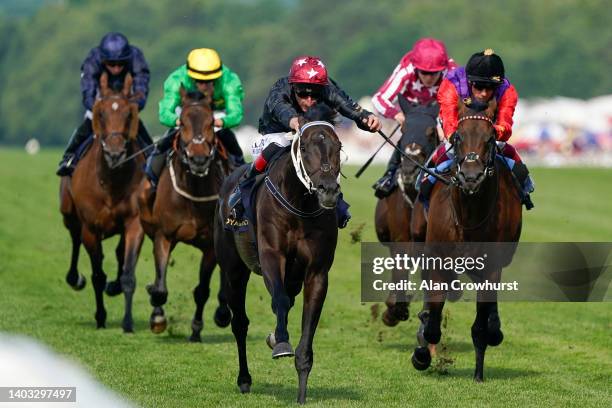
(228, 138)
(234, 201)
(68, 162)
(521, 173)
(157, 159)
(387, 183)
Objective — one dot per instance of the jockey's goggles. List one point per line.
(115, 63)
(309, 91)
(481, 86)
(429, 73)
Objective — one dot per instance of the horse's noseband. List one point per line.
(471, 157)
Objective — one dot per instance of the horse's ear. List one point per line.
(127, 85)
(462, 108)
(403, 103)
(104, 84)
(95, 120)
(432, 135)
(133, 131)
(491, 109)
(182, 92)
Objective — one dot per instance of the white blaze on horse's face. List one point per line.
(412, 151)
(115, 106)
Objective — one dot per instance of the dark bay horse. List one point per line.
(481, 205)
(183, 208)
(296, 238)
(99, 200)
(393, 214)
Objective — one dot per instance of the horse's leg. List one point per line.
(113, 288)
(315, 290)
(486, 330)
(223, 315)
(133, 238)
(428, 333)
(93, 244)
(236, 295)
(74, 278)
(158, 291)
(273, 268)
(202, 291)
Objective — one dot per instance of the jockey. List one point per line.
(291, 96)
(203, 67)
(482, 79)
(417, 77)
(116, 57)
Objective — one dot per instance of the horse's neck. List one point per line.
(116, 180)
(284, 176)
(197, 186)
(477, 208)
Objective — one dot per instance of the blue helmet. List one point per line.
(115, 47)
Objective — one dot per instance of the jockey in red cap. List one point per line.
(290, 97)
(482, 79)
(417, 77)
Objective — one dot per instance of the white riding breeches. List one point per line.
(281, 139)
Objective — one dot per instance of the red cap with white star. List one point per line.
(308, 70)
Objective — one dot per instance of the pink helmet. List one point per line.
(429, 54)
(308, 70)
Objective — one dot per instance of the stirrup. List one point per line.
(385, 185)
(527, 202)
(66, 166)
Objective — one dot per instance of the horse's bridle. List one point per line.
(126, 139)
(489, 165)
(296, 156)
(196, 140)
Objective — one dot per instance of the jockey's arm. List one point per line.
(233, 94)
(279, 103)
(505, 112)
(90, 74)
(141, 77)
(448, 100)
(385, 99)
(170, 101)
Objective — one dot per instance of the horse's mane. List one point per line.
(195, 96)
(320, 112)
(477, 106)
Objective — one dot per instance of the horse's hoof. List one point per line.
(77, 285)
(271, 341)
(388, 319)
(113, 288)
(478, 378)
(223, 316)
(421, 358)
(158, 324)
(495, 338)
(245, 388)
(282, 350)
(195, 338)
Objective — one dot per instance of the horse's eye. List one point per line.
(303, 148)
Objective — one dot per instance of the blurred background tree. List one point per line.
(549, 48)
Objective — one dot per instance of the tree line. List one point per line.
(549, 48)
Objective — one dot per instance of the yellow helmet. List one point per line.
(204, 64)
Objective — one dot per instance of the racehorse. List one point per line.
(295, 238)
(182, 209)
(393, 214)
(99, 200)
(480, 205)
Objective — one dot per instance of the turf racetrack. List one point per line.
(554, 354)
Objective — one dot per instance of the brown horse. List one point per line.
(393, 214)
(296, 238)
(481, 205)
(99, 200)
(182, 210)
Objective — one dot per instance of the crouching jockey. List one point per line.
(417, 77)
(117, 58)
(481, 80)
(202, 69)
(306, 86)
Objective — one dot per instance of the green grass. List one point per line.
(554, 354)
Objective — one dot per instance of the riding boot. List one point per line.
(521, 173)
(157, 159)
(234, 201)
(69, 160)
(143, 137)
(228, 138)
(342, 212)
(387, 183)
